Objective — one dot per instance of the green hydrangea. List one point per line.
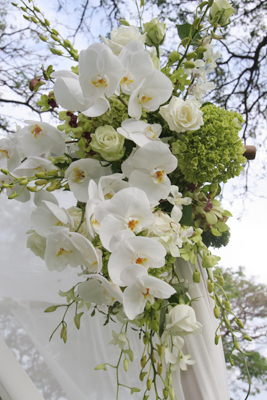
(214, 153)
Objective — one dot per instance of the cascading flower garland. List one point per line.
(130, 134)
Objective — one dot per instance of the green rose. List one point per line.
(222, 10)
(108, 142)
(155, 32)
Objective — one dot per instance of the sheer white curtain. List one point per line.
(27, 288)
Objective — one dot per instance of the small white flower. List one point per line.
(181, 361)
(178, 201)
(118, 339)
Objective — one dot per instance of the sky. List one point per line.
(247, 245)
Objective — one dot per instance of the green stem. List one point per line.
(123, 101)
(81, 221)
(117, 375)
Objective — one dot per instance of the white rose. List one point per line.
(122, 36)
(181, 115)
(36, 243)
(181, 321)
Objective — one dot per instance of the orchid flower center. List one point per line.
(141, 261)
(133, 224)
(36, 131)
(158, 175)
(63, 251)
(150, 134)
(147, 295)
(144, 99)
(100, 82)
(78, 175)
(127, 80)
(4, 154)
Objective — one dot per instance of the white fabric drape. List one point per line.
(32, 288)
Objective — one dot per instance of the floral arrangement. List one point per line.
(144, 158)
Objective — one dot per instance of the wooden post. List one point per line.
(250, 152)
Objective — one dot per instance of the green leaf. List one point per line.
(184, 30)
(135, 390)
(187, 215)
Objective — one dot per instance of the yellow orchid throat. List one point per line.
(36, 131)
(99, 82)
(63, 251)
(4, 153)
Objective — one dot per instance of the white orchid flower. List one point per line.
(111, 184)
(129, 209)
(69, 95)
(142, 288)
(100, 71)
(140, 132)
(99, 290)
(39, 138)
(33, 165)
(48, 215)
(135, 250)
(105, 190)
(147, 170)
(80, 172)
(9, 152)
(65, 248)
(150, 94)
(132, 56)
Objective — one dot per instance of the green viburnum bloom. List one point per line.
(213, 153)
(155, 32)
(108, 142)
